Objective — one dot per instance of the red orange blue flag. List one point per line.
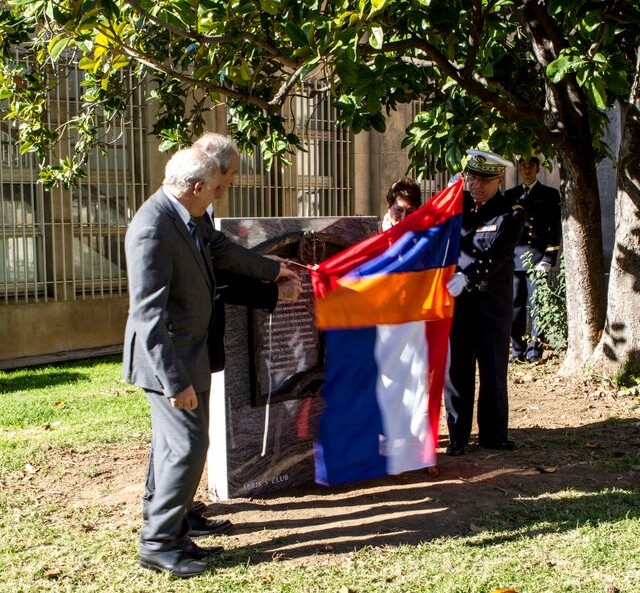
(386, 314)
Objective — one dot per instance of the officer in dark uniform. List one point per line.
(491, 227)
(541, 238)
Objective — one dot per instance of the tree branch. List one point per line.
(219, 39)
(512, 106)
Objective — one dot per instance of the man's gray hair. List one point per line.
(188, 166)
(219, 146)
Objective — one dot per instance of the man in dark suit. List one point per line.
(491, 225)
(232, 288)
(541, 240)
(167, 345)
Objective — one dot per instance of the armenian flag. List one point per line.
(386, 314)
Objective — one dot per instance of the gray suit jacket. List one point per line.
(171, 297)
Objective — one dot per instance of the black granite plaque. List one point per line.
(258, 449)
(287, 351)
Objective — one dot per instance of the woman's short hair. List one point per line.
(405, 188)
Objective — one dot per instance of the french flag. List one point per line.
(386, 314)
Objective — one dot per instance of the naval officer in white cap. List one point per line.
(483, 287)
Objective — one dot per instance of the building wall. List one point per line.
(76, 325)
(51, 330)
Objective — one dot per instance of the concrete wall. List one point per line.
(41, 332)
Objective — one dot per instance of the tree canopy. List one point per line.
(513, 74)
(480, 68)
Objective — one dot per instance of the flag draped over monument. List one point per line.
(386, 316)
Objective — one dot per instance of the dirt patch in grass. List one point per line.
(571, 437)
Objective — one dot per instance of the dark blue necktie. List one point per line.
(193, 230)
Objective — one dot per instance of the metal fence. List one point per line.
(61, 244)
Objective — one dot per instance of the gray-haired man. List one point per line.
(167, 341)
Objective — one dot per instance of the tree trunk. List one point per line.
(584, 264)
(619, 349)
(581, 225)
(566, 118)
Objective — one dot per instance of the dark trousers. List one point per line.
(179, 444)
(521, 347)
(479, 335)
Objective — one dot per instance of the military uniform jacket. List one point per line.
(489, 236)
(543, 227)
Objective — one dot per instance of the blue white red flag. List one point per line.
(386, 316)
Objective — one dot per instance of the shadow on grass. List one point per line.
(12, 383)
(556, 480)
(50, 375)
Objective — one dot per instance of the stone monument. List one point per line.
(264, 405)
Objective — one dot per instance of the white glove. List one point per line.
(543, 266)
(457, 284)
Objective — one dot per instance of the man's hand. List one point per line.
(185, 400)
(289, 289)
(457, 284)
(285, 273)
(542, 266)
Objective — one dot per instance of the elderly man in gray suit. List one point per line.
(167, 342)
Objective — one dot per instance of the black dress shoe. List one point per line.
(189, 547)
(202, 526)
(534, 359)
(455, 450)
(506, 445)
(175, 562)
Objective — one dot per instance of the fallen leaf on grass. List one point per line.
(345, 589)
(547, 469)
(52, 573)
(58, 405)
(592, 445)
(503, 591)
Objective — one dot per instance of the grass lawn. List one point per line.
(562, 541)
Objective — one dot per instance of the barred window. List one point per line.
(69, 244)
(318, 182)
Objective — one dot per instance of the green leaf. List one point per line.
(558, 69)
(598, 92)
(296, 34)
(57, 45)
(269, 6)
(87, 63)
(376, 38)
